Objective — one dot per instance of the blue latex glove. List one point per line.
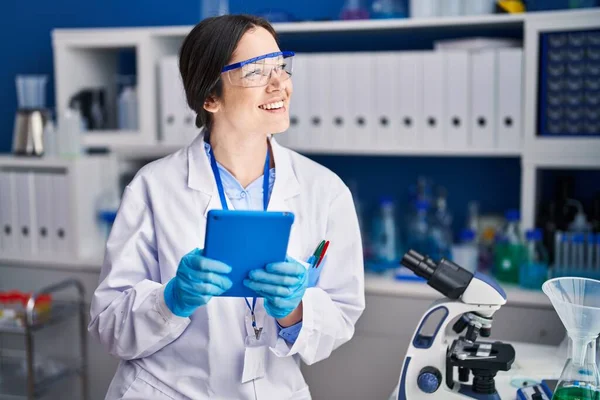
(198, 279)
(281, 284)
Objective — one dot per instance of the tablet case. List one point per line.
(246, 240)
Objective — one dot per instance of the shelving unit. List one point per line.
(22, 375)
(76, 66)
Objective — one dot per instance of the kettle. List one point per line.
(31, 117)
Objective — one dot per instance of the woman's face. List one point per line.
(243, 108)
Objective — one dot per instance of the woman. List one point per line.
(156, 307)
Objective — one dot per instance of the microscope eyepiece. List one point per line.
(446, 277)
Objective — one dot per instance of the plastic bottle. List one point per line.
(70, 125)
(384, 239)
(127, 109)
(417, 235)
(579, 223)
(214, 8)
(382, 9)
(533, 272)
(353, 9)
(466, 254)
(577, 254)
(50, 140)
(441, 229)
(509, 250)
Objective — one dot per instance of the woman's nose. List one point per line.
(275, 79)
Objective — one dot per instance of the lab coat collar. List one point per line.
(200, 176)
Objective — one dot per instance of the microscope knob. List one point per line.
(429, 379)
(460, 324)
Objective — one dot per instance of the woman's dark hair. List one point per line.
(204, 53)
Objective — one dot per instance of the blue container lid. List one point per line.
(533, 234)
(422, 205)
(512, 215)
(467, 235)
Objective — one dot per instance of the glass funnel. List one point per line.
(577, 303)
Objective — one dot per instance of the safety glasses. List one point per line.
(258, 71)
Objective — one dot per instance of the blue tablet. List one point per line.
(246, 240)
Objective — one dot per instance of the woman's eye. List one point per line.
(252, 73)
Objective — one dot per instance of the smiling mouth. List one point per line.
(276, 105)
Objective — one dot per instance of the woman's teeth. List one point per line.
(272, 106)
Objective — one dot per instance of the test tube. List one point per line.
(597, 252)
(578, 251)
(566, 247)
(590, 251)
(557, 250)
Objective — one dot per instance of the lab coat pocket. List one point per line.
(315, 273)
(146, 386)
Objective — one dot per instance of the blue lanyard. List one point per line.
(217, 174)
(215, 169)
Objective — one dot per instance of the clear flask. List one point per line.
(577, 303)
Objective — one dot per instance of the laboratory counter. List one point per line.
(393, 310)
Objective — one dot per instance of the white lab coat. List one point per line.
(161, 218)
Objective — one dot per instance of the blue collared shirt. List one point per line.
(251, 198)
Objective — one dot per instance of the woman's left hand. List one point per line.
(282, 285)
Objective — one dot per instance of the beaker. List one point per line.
(577, 303)
(31, 91)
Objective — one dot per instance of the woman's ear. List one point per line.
(211, 104)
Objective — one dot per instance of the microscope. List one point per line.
(434, 360)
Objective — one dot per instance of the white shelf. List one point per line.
(375, 284)
(324, 26)
(40, 162)
(93, 264)
(393, 151)
(563, 161)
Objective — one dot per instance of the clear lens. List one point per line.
(260, 72)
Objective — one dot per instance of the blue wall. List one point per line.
(25, 28)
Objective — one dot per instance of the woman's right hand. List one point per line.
(198, 279)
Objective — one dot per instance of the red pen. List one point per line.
(325, 246)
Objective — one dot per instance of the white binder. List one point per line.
(319, 106)
(26, 224)
(298, 108)
(483, 99)
(410, 90)
(340, 123)
(62, 237)
(8, 213)
(362, 113)
(386, 98)
(172, 102)
(456, 118)
(508, 122)
(433, 100)
(44, 209)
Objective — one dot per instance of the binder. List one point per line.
(410, 92)
(172, 101)
(26, 225)
(44, 209)
(386, 99)
(456, 79)
(433, 100)
(319, 106)
(299, 114)
(61, 235)
(510, 83)
(8, 212)
(361, 132)
(340, 123)
(483, 99)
